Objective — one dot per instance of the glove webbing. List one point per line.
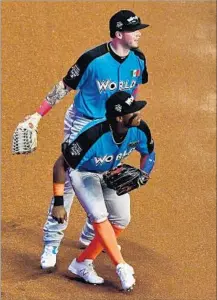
(22, 141)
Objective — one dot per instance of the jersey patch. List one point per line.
(133, 144)
(135, 73)
(74, 71)
(75, 149)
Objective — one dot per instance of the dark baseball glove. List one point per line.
(125, 178)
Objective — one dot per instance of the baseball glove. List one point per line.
(125, 178)
(25, 135)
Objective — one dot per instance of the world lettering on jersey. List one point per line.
(104, 85)
(109, 158)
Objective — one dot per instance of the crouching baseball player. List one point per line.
(93, 156)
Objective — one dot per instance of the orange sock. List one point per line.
(92, 251)
(117, 230)
(105, 238)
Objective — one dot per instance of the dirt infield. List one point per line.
(171, 238)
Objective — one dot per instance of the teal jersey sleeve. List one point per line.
(146, 143)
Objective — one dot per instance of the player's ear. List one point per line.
(118, 34)
(119, 119)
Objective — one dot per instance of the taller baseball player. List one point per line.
(100, 146)
(96, 75)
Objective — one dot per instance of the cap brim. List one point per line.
(137, 27)
(141, 26)
(138, 105)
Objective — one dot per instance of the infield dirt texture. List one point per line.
(171, 239)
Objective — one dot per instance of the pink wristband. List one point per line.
(44, 108)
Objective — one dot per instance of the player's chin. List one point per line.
(136, 122)
(135, 45)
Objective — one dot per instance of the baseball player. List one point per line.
(100, 146)
(96, 75)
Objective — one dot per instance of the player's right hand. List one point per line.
(33, 120)
(59, 214)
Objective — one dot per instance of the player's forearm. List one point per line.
(59, 91)
(59, 170)
(147, 162)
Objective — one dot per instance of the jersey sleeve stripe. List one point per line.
(76, 72)
(75, 151)
(145, 129)
(141, 56)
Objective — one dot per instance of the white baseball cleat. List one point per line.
(83, 243)
(125, 273)
(85, 270)
(49, 257)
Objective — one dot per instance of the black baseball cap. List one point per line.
(125, 20)
(122, 103)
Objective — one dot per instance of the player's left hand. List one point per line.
(143, 179)
(125, 178)
(59, 214)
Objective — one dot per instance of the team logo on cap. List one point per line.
(130, 100)
(118, 107)
(119, 24)
(132, 20)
